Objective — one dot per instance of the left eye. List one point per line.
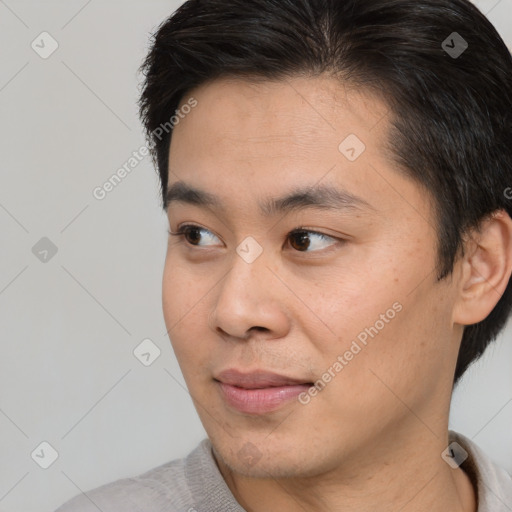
(300, 238)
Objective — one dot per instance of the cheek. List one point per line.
(184, 286)
(400, 361)
(362, 304)
(170, 298)
(383, 322)
(184, 310)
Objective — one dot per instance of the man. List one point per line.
(340, 251)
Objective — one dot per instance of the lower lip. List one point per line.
(259, 401)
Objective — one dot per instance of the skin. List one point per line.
(372, 438)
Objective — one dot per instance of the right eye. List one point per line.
(191, 233)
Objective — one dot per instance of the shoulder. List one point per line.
(494, 484)
(165, 488)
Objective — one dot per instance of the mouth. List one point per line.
(259, 392)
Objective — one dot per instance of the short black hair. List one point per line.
(440, 65)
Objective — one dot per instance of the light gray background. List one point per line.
(68, 375)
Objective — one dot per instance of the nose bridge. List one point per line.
(248, 270)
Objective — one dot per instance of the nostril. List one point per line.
(259, 329)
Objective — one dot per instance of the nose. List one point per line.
(251, 299)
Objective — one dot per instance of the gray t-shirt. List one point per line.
(195, 484)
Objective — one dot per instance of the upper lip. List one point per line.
(257, 379)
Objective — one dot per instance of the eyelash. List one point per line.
(183, 230)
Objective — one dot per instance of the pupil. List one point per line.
(302, 237)
(194, 239)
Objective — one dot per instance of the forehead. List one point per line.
(246, 139)
(286, 107)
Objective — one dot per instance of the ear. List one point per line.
(486, 268)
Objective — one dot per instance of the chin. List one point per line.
(259, 458)
(267, 466)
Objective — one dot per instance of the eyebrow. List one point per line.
(323, 197)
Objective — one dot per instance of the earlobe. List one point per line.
(486, 269)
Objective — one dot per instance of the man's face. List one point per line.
(350, 300)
